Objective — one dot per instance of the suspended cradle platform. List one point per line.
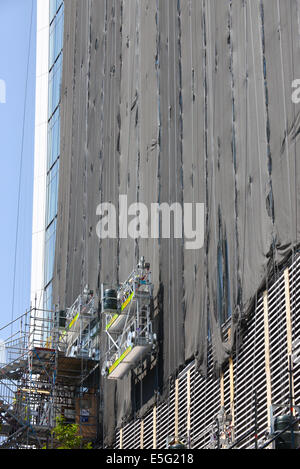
(128, 360)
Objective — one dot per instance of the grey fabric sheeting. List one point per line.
(179, 101)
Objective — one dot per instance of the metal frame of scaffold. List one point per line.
(127, 318)
(51, 368)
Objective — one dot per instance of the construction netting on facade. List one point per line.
(186, 101)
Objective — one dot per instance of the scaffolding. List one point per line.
(127, 317)
(50, 368)
(79, 336)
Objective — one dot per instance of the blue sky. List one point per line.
(16, 146)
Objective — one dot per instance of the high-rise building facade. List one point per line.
(176, 106)
(53, 151)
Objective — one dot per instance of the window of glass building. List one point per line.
(48, 297)
(54, 7)
(56, 22)
(56, 37)
(48, 309)
(54, 86)
(53, 139)
(52, 193)
(50, 251)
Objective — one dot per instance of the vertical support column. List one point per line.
(222, 405)
(137, 309)
(289, 333)
(142, 435)
(40, 155)
(288, 311)
(222, 396)
(188, 400)
(231, 374)
(231, 378)
(176, 409)
(154, 428)
(121, 438)
(267, 358)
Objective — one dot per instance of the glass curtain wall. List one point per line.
(55, 73)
